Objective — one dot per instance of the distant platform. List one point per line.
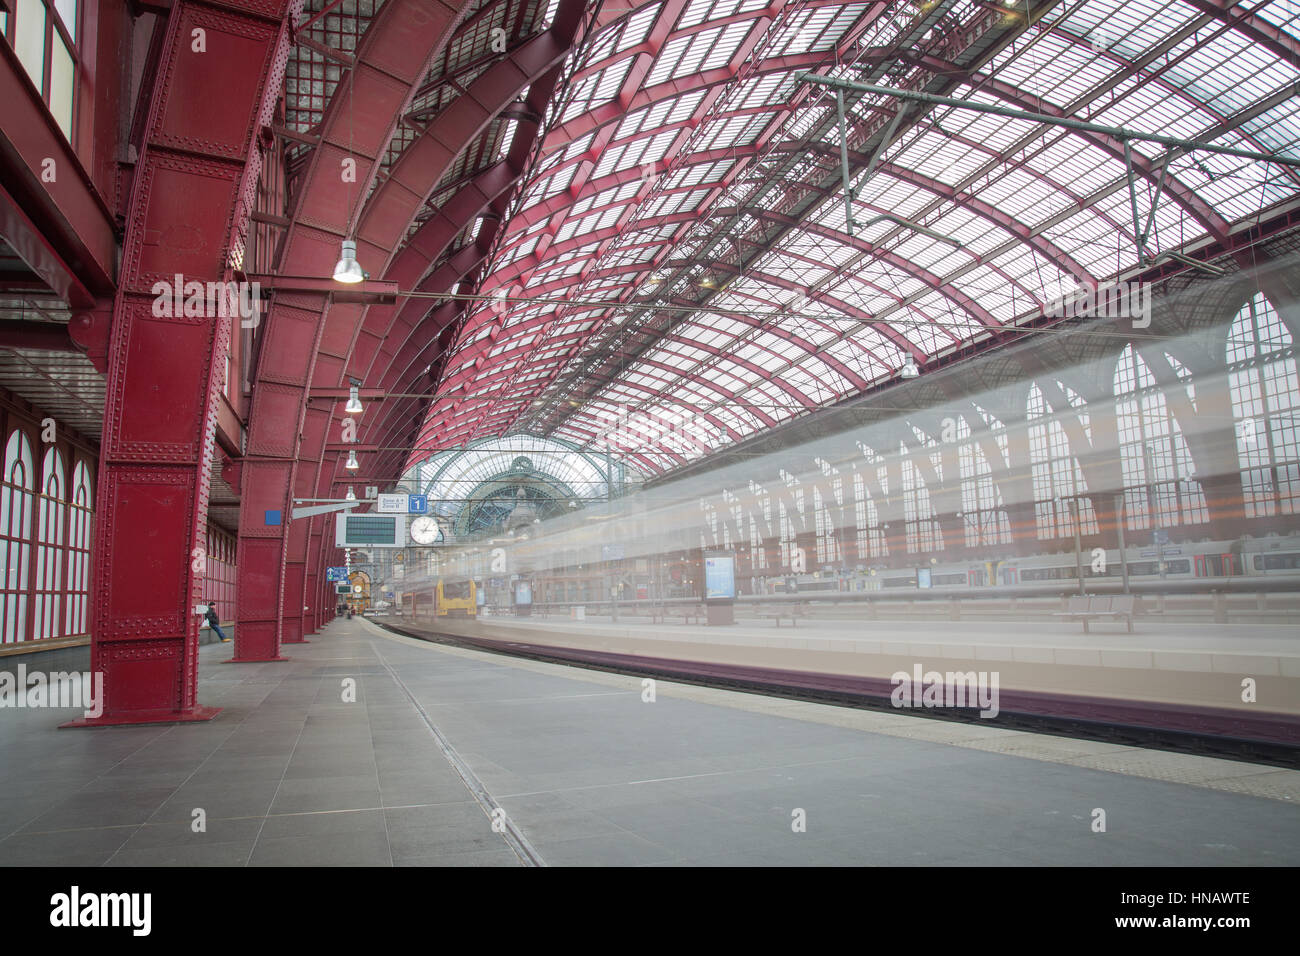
(1166, 667)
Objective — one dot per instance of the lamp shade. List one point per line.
(348, 269)
(354, 406)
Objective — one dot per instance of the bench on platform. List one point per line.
(1091, 607)
(778, 611)
(687, 613)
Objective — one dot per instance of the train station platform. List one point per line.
(578, 767)
(1180, 675)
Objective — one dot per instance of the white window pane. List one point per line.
(62, 84)
(29, 41)
(67, 10)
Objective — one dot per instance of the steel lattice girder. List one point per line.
(67, 234)
(418, 346)
(380, 232)
(1195, 206)
(450, 134)
(163, 383)
(600, 120)
(588, 188)
(538, 60)
(303, 334)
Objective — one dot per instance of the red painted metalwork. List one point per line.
(34, 249)
(197, 146)
(1189, 200)
(72, 222)
(91, 332)
(469, 361)
(50, 336)
(306, 339)
(381, 226)
(189, 202)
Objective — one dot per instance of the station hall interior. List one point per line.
(603, 433)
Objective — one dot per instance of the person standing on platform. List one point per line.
(215, 623)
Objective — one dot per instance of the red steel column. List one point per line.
(217, 82)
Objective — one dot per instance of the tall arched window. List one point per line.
(791, 523)
(830, 548)
(919, 520)
(757, 553)
(81, 516)
(1058, 480)
(984, 514)
(757, 544)
(49, 548)
(16, 503)
(1155, 464)
(871, 536)
(1263, 383)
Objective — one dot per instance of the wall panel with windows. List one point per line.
(219, 572)
(45, 35)
(46, 527)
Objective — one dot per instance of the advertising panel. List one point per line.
(719, 577)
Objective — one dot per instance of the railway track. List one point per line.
(1270, 739)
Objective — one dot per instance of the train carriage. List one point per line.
(456, 599)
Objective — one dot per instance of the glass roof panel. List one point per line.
(714, 210)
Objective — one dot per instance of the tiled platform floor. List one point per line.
(589, 773)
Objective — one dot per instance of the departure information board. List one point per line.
(370, 530)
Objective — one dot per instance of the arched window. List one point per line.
(871, 536)
(16, 503)
(919, 520)
(757, 554)
(829, 541)
(791, 523)
(757, 544)
(50, 548)
(709, 531)
(1155, 464)
(984, 514)
(81, 516)
(1263, 384)
(1058, 479)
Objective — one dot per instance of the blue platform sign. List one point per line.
(417, 504)
(336, 574)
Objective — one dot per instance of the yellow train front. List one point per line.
(456, 598)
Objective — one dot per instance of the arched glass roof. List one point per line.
(681, 250)
(451, 477)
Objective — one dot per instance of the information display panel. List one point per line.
(719, 577)
(370, 531)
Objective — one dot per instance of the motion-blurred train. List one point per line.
(578, 575)
(1207, 559)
